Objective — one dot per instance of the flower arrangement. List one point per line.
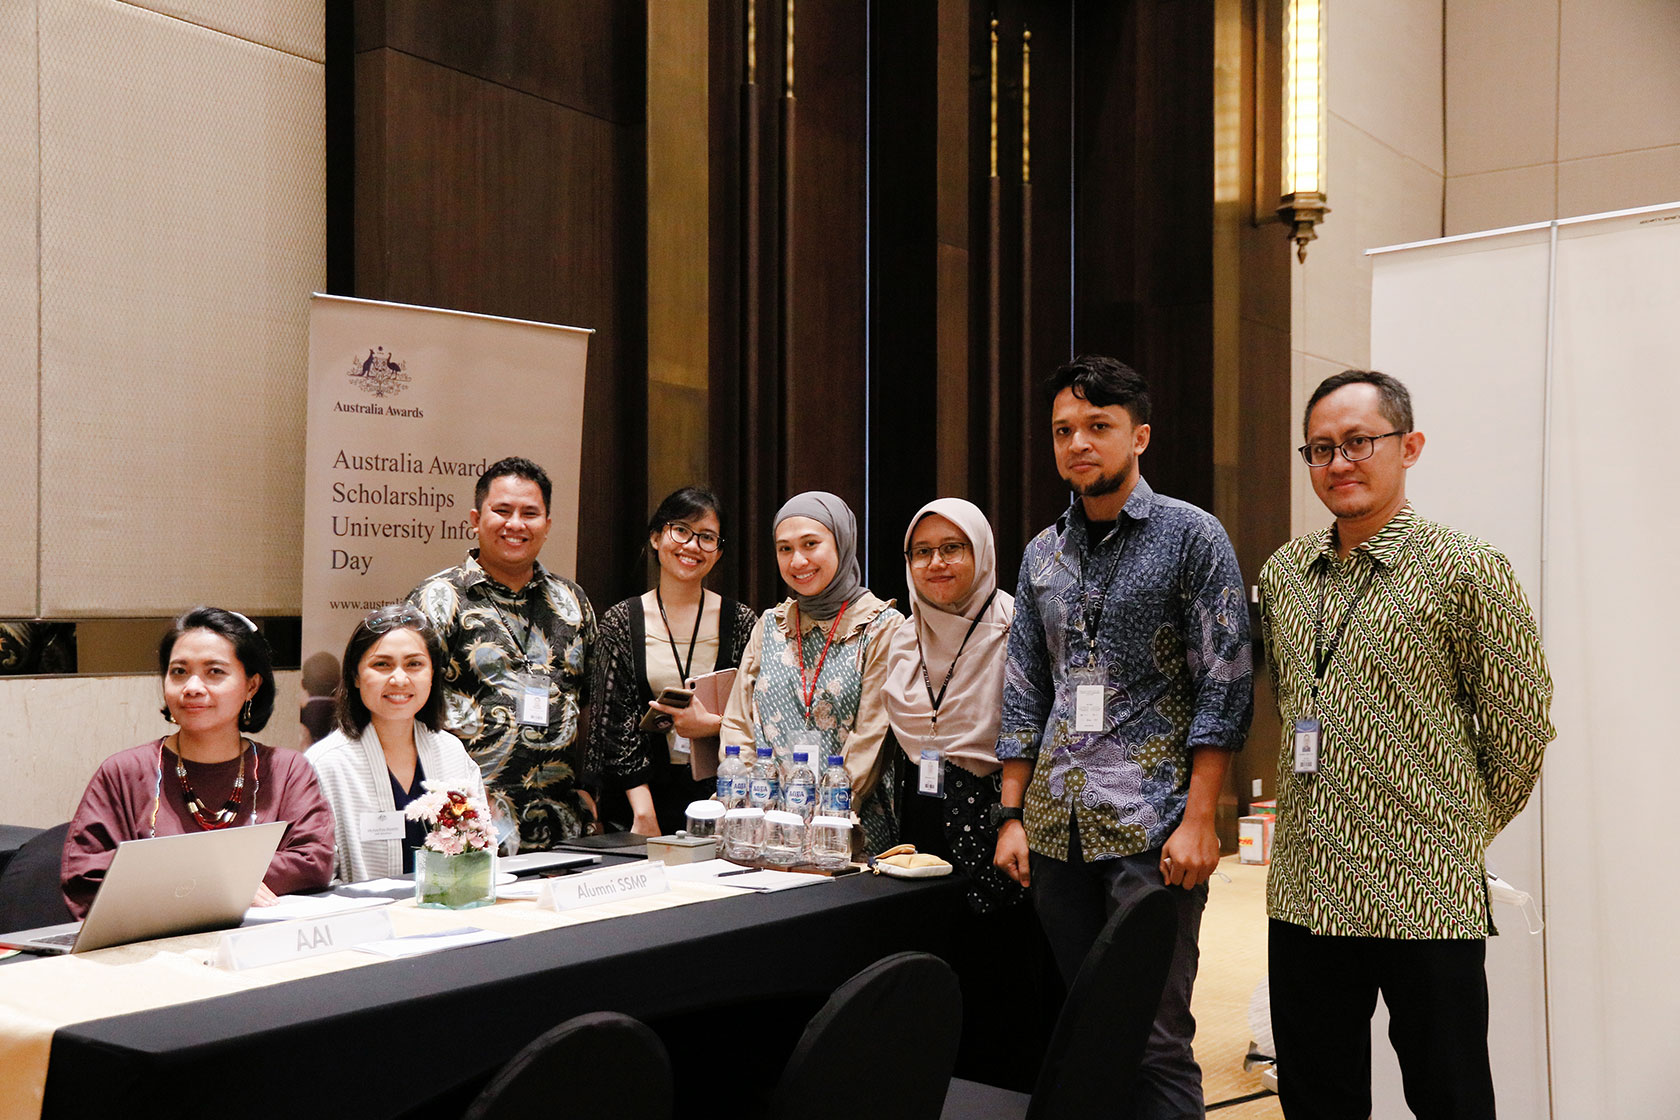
(459, 823)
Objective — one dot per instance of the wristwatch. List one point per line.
(1001, 813)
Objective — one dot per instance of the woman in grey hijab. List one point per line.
(811, 676)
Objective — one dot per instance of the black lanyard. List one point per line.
(524, 647)
(1323, 654)
(692, 638)
(1093, 608)
(922, 658)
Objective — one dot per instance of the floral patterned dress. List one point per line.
(847, 707)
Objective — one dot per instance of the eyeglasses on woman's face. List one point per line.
(397, 616)
(704, 539)
(950, 552)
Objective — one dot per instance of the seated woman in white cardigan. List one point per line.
(385, 748)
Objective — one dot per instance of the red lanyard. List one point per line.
(808, 692)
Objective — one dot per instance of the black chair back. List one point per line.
(881, 1048)
(600, 1064)
(1097, 1047)
(30, 891)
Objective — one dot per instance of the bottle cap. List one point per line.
(801, 757)
(835, 760)
(732, 749)
(764, 752)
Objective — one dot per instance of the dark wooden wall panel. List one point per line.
(571, 53)
(825, 389)
(500, 169)
(1144, 229)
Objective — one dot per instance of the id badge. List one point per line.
(382, 826)
(1090, 700)
(930, 774)
(1309, 735)
(533, 700)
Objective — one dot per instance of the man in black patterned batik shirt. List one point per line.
(518, 640)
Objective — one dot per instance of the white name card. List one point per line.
(290, 941)
(607, 885)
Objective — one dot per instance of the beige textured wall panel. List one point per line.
(1377, 197)
(1619, 182)
(182, 230)
(1385, 75)
(1619, 76)
(294, 26)
(1501, 198)
(18, 287)
(57, 730)
(1501, 84)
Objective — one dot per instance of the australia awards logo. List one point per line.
(380, 373)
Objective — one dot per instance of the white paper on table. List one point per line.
(722, 873)
(290, 907)
(375, 886)
(524, 888)
(419, 944)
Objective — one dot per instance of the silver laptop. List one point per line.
(164, 887)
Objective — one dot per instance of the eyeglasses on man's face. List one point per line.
(707, 540)
(1355, 449)
(922, 555)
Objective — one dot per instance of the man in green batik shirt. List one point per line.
(1414, 698)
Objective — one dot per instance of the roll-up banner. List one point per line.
(407, 407)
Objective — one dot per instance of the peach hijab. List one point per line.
(972, 707)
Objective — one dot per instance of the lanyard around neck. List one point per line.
(808, 692)
(682, 670)
(1324, 653)
(921, 657)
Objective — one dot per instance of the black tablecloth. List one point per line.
(378, 1040)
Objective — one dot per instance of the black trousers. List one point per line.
(1324, 991)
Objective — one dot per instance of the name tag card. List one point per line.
(383, 826)
(291, 941)
(607, 885)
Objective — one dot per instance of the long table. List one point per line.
(383, 1039)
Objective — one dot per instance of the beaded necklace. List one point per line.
(229, 811)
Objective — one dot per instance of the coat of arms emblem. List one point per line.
(380, 373)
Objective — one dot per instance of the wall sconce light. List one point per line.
(1303, 121)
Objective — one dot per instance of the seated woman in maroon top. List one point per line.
(217, 683)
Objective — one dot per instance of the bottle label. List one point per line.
(798, 796)
(761, 792)
(837, 802)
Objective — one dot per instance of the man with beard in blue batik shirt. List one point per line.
(1129, 682)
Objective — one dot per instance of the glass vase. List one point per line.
(445, 882)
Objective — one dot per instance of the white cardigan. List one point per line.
(355, 780)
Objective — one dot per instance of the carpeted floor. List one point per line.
(1233, 961)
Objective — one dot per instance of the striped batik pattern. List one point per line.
(1435, 713)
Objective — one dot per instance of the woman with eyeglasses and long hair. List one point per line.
(812, 675)
(662, 640)
(387, 745)
(218, 684)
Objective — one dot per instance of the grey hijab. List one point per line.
(835, 516)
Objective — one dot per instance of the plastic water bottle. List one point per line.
(800, 793)
(764, 788)
(732, 778)
(834, 793)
